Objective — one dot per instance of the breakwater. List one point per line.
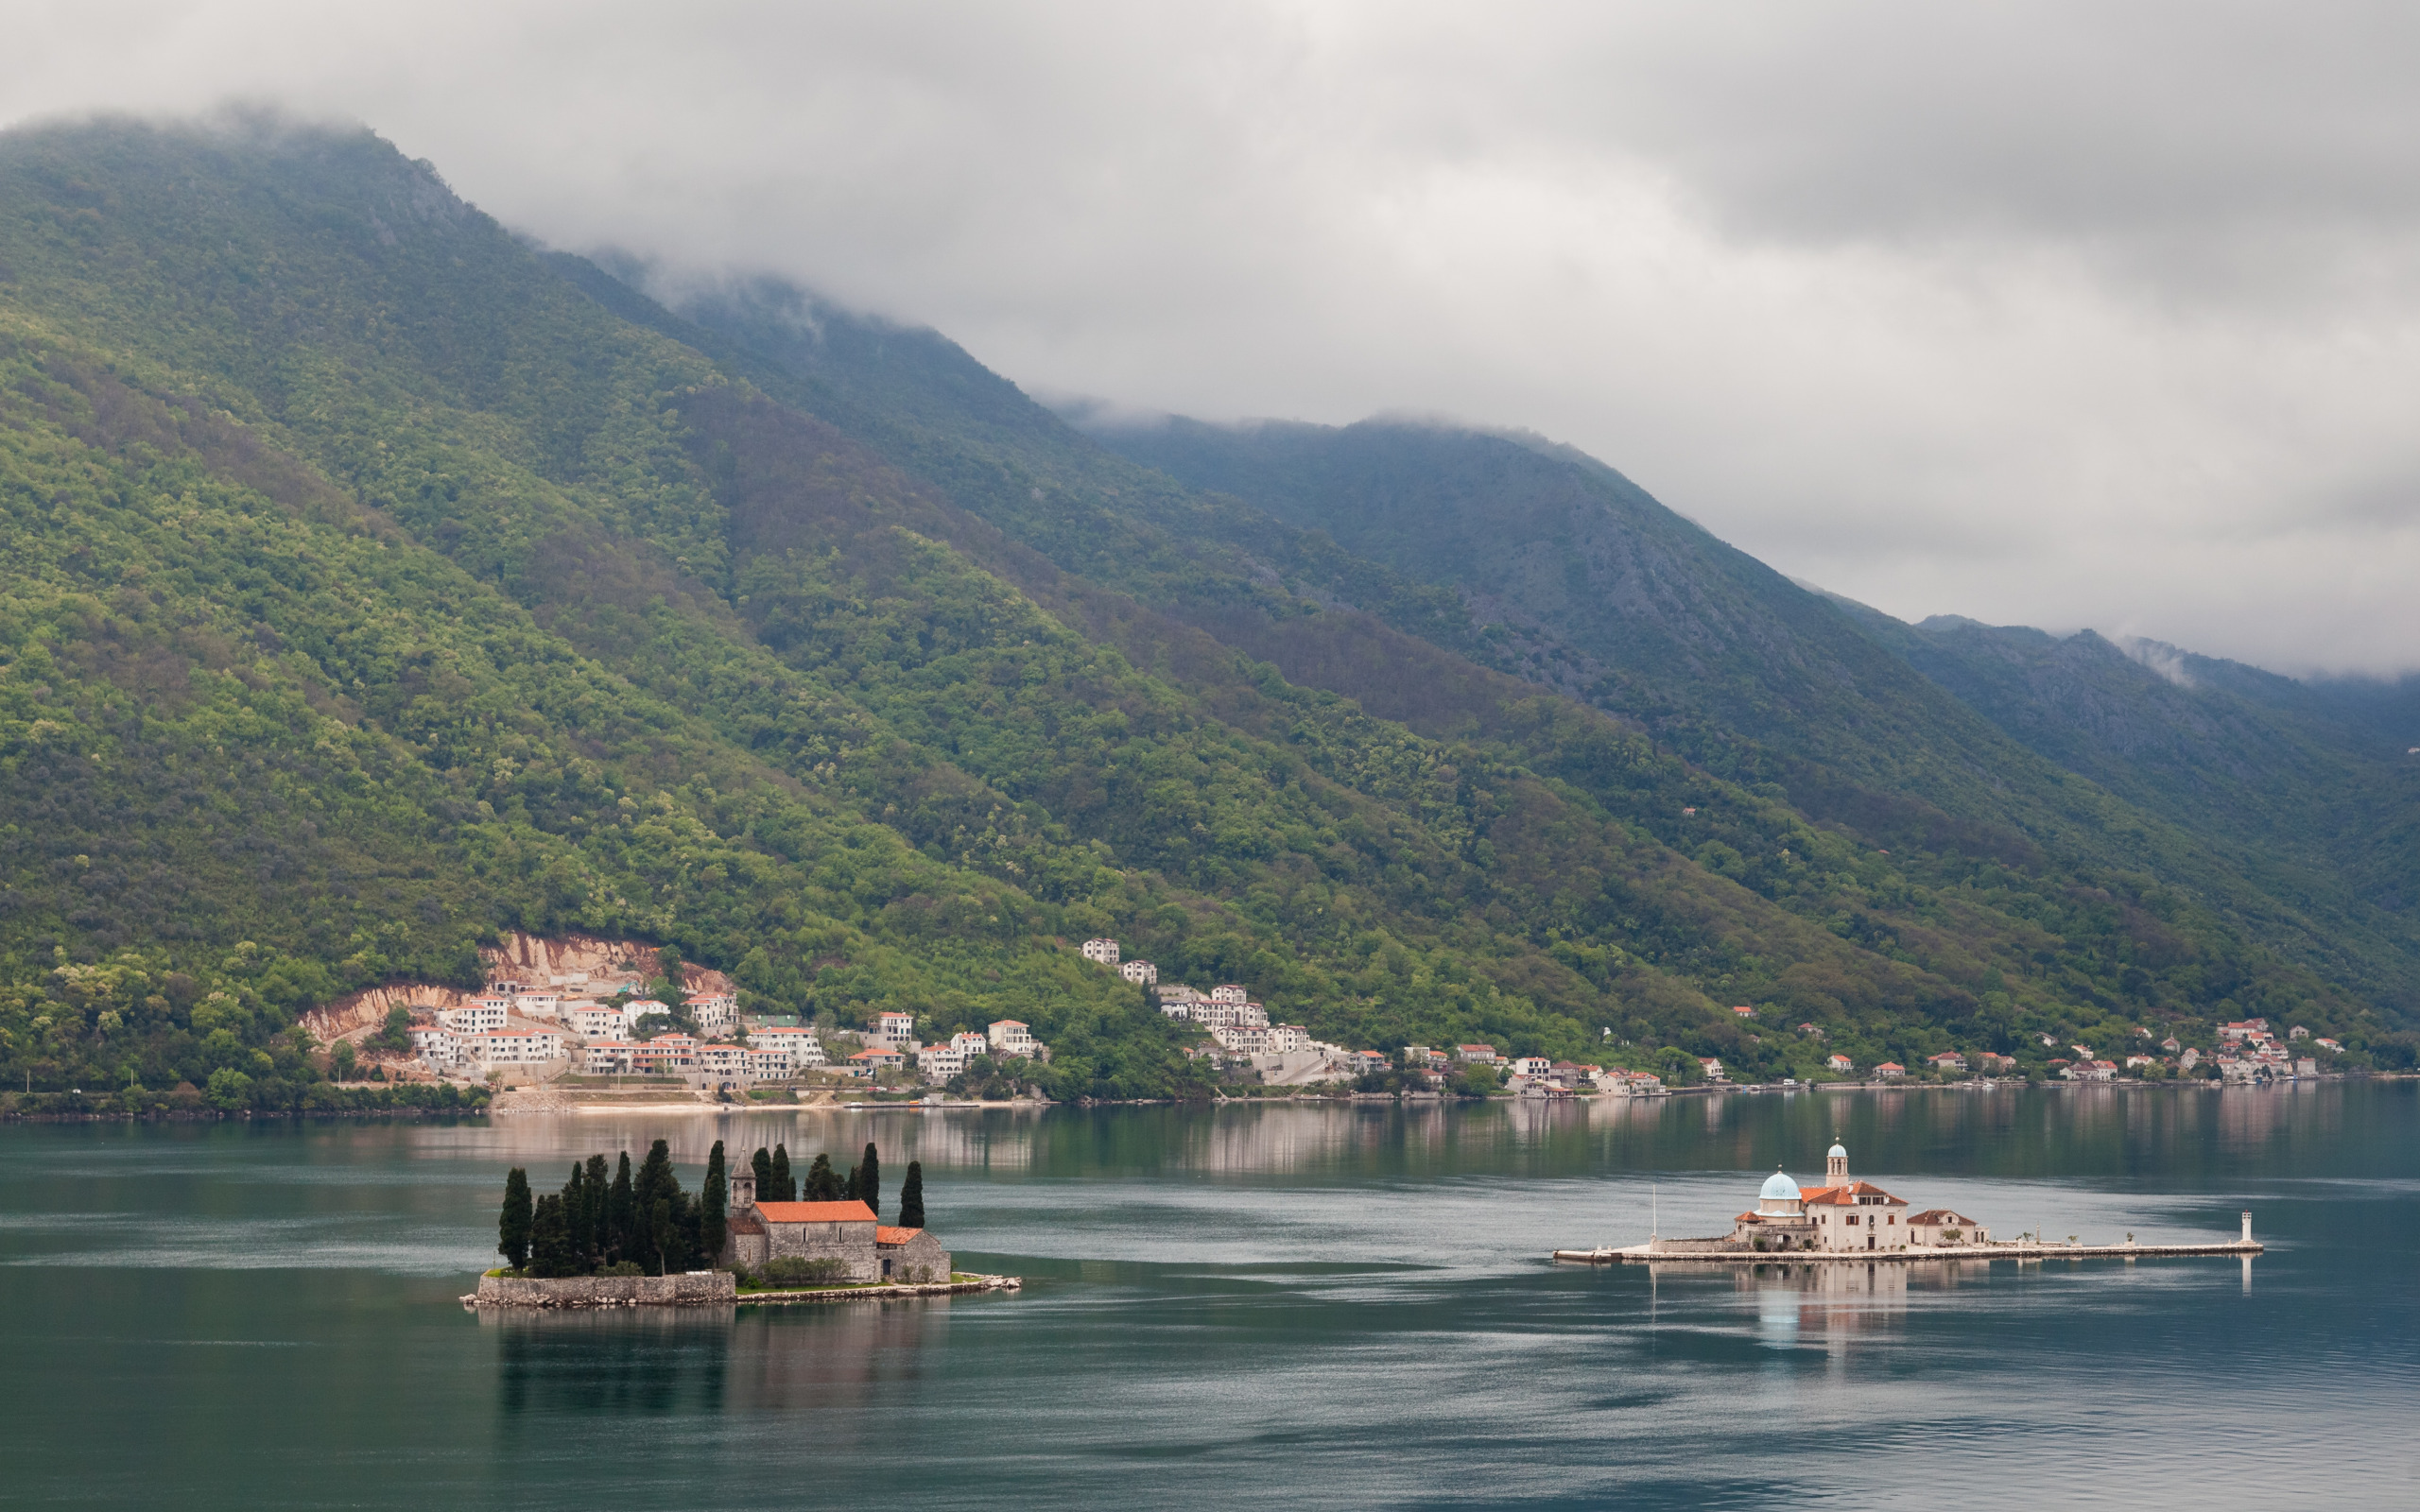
(855, 1293)
(1708, 1252)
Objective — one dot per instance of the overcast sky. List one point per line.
(2056, 314)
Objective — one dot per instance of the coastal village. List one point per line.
(538, 1020)
(588, 1012)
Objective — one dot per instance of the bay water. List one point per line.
(1246, 1306)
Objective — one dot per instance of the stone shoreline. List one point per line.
(848, 1294)
(717, 1288)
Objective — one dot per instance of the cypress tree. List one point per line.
(849, 1187)
(662, 1236)
(513, 1225)
(714, 1205)
(576, 1205)
(600, 1235)
(763, 1161)
(911, 1196)
(622, 1208)
(549, 1239)
(785, 1190)
(822, 1185)
(870, 1180)
(655, 1181)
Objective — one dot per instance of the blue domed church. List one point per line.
(1842, 1214)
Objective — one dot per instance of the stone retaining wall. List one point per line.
(693, 1289)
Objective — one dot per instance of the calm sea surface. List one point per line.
(1245, 1307)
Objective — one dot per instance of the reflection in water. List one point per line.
(653, 1362)
(644, 1361)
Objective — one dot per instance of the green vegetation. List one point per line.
(514, 1225)
(373, 584)
(911, 1196)
(631, 1225)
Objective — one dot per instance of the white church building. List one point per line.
(1843, 1214)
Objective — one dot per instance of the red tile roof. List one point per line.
(886, 1234)
(815, 1213)
(1845, 1196)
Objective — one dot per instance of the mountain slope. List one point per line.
(376, 583)
(1597, 591)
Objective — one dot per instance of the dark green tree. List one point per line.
(849, 1186)
(661, 1237)
(785, 1190)
(911, 1196)
(600, 1234)
(513, 1225)
(345, 1057)
(622, 1213)
(870, 1180)
(822, 1185)
(763, 1163)
(550, 1252)
(714, 1207)
(576, 1217)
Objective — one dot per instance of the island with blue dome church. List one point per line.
(1843, 1215)
(1847, 1219)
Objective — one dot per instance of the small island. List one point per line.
(1849, 1220)
(638, 1239)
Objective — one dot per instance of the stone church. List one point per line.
(868, 1249)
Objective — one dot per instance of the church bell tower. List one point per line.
(1836, 1167)
(741, 1186)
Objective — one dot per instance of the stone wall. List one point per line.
(921, 1259)
(692, 1289)
(851, 1243)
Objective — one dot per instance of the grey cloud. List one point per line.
(2063, 313)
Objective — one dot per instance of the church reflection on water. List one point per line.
(1829, 1303)
(675, 1362)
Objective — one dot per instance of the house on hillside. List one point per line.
(1142, 974)
(1476, 1055)
(1837, 1061)
(1948, 1061)
(1102, 952)
(1010, 1036)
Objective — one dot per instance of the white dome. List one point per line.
(1779, 1185)
(1837, 1152)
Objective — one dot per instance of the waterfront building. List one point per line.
(1009, 1037)
(1939, 1226)
(1949, 1060)
(848, 1232)
(898, 1030)
(1889, 1071)
(1476, 1055)
(1842, 1214)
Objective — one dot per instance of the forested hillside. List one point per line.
(375, 582)
(2250, 790)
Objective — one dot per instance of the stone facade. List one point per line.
(912, 1255)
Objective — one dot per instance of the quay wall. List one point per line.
(694, 1289)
